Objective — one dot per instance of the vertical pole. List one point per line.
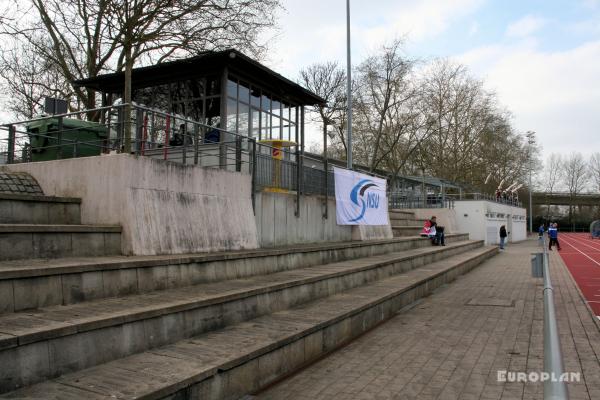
(325, 168)
(300, 163)
(349, 85)
(166, 144)
(139, 127)
(196, 143)
(59, 137)
(10, 157)
(253, 194)
(298, 160)
(144, 134)
(223, 136)
(530, 202)
(183, 134)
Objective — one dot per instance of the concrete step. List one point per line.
(401, 231)
(407, 222)
(401, 214)
(242, 358)
(26, 241)
(48, 342)
(37, 209)
(27, 284)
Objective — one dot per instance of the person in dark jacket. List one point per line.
(437, 238)
(503, 236)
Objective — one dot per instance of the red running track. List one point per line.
(581, 254)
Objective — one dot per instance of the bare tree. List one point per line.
(28, 79)
(595, 170)
(382, 107)
(552, 176)
(88, 37)
(575, 177)
(328, 80)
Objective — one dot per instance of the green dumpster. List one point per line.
(78, 139)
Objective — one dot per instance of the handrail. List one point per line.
(554, 387)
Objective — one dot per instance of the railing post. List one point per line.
(144, 135)
(183, 133)
(139, 130)
(12, 133)
(196, 142)
(238, 153)
(59, 138)
(253, 175)
(326, 184)
(120, 127)
(166, 144)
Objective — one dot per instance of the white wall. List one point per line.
(163, 207)
(483, 219)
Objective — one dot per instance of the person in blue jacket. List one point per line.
(541, 231)
(553, 235)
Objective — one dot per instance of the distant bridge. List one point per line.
(564, 199)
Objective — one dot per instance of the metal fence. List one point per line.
(164, 136)
(402, 199)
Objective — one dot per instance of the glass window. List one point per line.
(276, 108)
(243, 119)
(255, 97)
(244, 92)
(255, 123)
(265, 127)
(265, 103)
(213, 85)
(232, 89)
(232, 115)
(276, 130)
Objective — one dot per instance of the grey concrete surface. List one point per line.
(100, 277)
(229, 363)
(142, 322)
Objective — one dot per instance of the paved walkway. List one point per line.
(453, 343)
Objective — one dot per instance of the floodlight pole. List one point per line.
(349, 88)
(530, 142)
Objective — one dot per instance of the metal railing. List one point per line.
(166, 136)
(554, 388)
(406, 199)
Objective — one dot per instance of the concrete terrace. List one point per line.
(451, 344)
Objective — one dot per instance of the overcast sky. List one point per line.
(542, 57)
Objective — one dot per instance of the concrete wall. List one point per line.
(277, 224)
(482, 220)
(163, 207)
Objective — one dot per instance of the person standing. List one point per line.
(541, 231)
(503, 236)
(553, 235)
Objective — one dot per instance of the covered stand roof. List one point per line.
(201, 65)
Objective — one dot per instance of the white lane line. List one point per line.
(585, 255)
(579, 240)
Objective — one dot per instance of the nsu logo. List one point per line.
(357, 196)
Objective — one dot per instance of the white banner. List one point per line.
(360, 199)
